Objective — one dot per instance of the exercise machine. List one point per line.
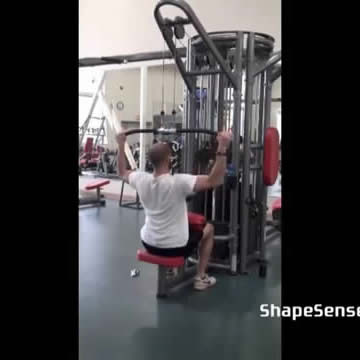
(98, 200)
(228, 77)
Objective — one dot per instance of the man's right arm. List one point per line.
(216, 176)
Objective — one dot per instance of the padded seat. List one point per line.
(143, 255)
(97, 184)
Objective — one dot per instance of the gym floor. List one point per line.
(121, 318)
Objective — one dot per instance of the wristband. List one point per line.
(220, 154)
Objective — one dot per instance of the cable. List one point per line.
(174, 93)
(162, 113)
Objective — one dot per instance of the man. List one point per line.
(166, 231)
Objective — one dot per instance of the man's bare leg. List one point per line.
(205, 249)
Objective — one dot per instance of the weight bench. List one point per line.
(94, 201)
(165, 286)
(186, 270)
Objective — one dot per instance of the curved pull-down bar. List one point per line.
(192, 19)
(170, 131)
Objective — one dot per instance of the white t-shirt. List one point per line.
(164, 201)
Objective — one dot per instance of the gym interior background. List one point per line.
(120, 315)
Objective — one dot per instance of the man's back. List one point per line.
(164, 200)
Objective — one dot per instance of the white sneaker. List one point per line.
(204, 283)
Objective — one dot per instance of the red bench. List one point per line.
(97, 184)
(97, 201)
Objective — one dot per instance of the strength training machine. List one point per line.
(235, 70)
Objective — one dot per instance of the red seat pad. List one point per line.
(271, 156)
(197, 222)
(97, 184)
(143, 255)
(276, 204)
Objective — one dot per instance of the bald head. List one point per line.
(159, 155)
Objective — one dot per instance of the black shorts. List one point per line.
(185, 251)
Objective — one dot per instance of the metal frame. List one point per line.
(124, 59)
(254, 68)
(193, 20)
(136, 205)
(92, 201)
(184, 278)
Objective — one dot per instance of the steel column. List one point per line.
(244, 208)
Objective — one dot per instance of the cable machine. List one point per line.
(228, 77)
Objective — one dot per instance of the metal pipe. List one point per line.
(193, 19)
(169, 41)
(256, 146)
(143, 114)
(203, 72)
(186, 120)
(211, 101)
(124, 59)
(267, 118)
(275, 58)
(276, 73)
(210, 264)
(192, 125)
(170, 131)
(234, 202)
(213, 203)
(259, 157)
(220, 112)
(244, 210)
(200, 123)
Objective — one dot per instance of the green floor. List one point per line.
(121, 318)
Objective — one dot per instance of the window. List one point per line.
(88, 83)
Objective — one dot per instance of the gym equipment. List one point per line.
(163, 131)
(186, 271)
(107, 163)
(124, 59)
(271, 156)
(276, 213)
(129, 204)
(94, 201)
(228, 77)
(94, 101)
(232, 72)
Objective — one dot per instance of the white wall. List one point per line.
(112, 27)
(129, 79)
(155, 89)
